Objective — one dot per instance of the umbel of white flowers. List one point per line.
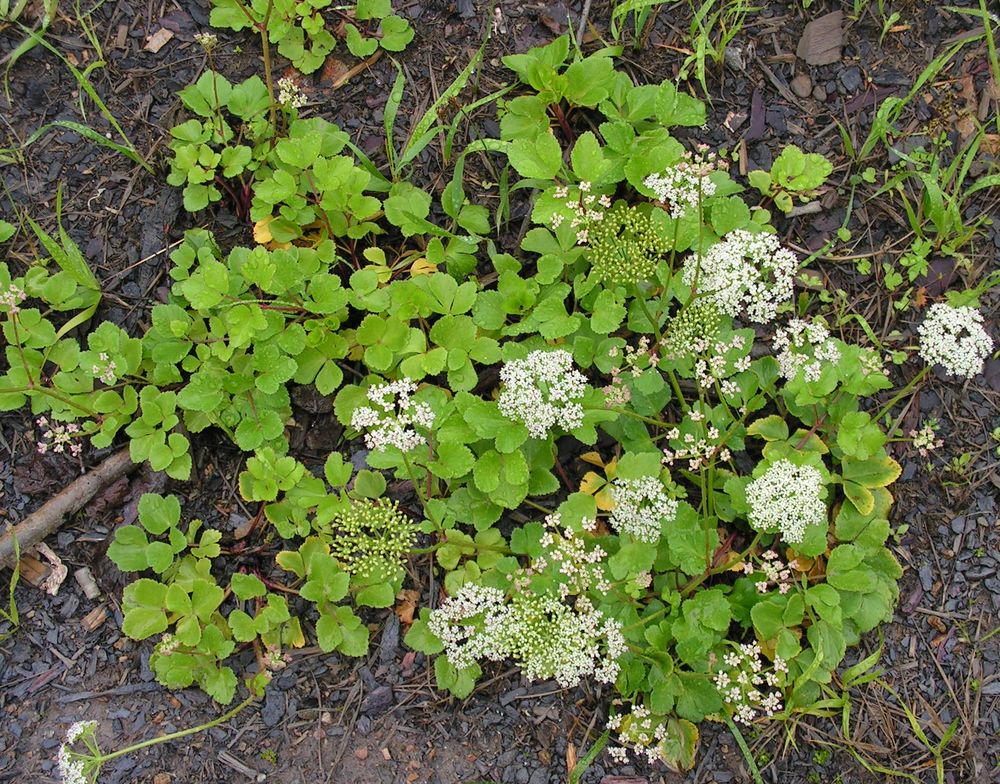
(541, 391)
(744, 274)
(786, 498)
(390, 420)
(955, 339)
(641, 507)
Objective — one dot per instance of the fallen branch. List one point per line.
(46, 519)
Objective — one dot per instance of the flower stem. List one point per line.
(179, 734)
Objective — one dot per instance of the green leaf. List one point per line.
(676, 108)
(846, 570)
(128, 550)
(420, 638)
(158, 513)
(690, 539)
(770, 428)
(879, 471)
(380, 595)
(159, 556)
(247, 586)
(609, 312)
(220, 684)
(539, 158)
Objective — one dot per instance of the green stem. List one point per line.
(54, 395)
(645, 309)
(413, 478)
(539, 507)
(901, 394)
(640, 417)
(103, 758)
(265, 46)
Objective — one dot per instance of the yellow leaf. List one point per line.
(262, 230)
(592, 482)
(293, 634)
(604, 500)
(594, 458)
(422, 267)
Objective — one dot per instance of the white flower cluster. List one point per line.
(786, 498)
(579, 569)
(637, 360)
(584, 209)
(639, 732)
(697, 451)
(955, 339)
(72, 768)
(803, 347)
(772, 571)
(58, 437)
(549, 638)
(925, 439)
(11, 297)
(552, 639)
(641, 507)
(684, 185)
(470, 625)
(744, 272)
(107, 373)
(390, 422)
(541, 391)
(715, 366)
(740, 681)
(289, 94)
(207, 41)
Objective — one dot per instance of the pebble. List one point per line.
(540, 776)
(926, 577)
(378, 701)
(850, 79)
(802, 85)
(274, 708)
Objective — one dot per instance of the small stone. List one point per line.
(819, 93)
(850, 79)
(802, 85)
(361, 754)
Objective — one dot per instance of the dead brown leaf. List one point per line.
(407, 605)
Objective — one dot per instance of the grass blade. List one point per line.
(88, 88)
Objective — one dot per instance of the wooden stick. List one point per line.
(46, 519)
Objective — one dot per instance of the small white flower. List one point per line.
(955, 339)
(11, 298)
(289, 94)
(684, 185)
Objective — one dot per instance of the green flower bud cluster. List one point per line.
(625, 245)
(372, 538)
(697, 323)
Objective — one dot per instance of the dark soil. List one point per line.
(327, 719)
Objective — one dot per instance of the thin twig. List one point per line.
(42, 522)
